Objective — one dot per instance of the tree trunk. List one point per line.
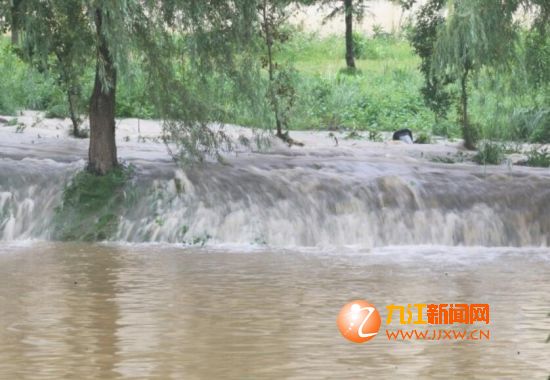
(469, 141)
(75, 120)
(15, 18)
(102, 153)
(14, 37)
(270, 67)
(348, 9)
(67, 80)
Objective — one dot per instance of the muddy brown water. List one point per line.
(111, 311)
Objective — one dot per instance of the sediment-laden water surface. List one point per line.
(160, 312)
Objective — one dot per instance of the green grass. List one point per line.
(314, 56)
(383, 94)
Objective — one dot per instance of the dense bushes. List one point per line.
(381, 95)
(384, 93)
(489, 154)
(361, 102)
(538, 158)
(22, 87)
(25, 88)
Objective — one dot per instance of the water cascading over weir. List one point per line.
(309, 198)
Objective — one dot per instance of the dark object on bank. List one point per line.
(404, 135)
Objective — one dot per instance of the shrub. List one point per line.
(56, 112)
(353, 135)
(359, 45)
(541, 127)
(444, 127)
(374, 135)
(10, 94)
(363, 48)
(12, 122)
(133, 98)
(538, 158)
(529, 124)
(489, 154)
(423, 138)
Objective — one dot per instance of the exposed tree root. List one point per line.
(287, 139)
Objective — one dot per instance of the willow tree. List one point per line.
(476, 34)
(281, 93)
(10, 18)
(428, 20)
(350, 9)
(51, 45)
(537, 47)
(125, 29)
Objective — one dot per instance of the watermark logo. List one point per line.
(359, 321)
(440, 314)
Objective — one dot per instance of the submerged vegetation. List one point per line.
(538, 158)
(91, 205)
(489, 154)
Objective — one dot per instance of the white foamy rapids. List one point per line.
(30, 190)
(336, 201)
(295, 200)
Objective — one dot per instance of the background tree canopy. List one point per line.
(205, 35)
(197, 63)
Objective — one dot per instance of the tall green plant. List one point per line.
(51, 45)
(423, 37)
(281, 92)
(476, 34)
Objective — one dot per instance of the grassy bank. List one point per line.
(383, 95)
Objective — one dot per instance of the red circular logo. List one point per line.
(359, 321)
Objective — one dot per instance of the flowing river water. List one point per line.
(282, 240)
